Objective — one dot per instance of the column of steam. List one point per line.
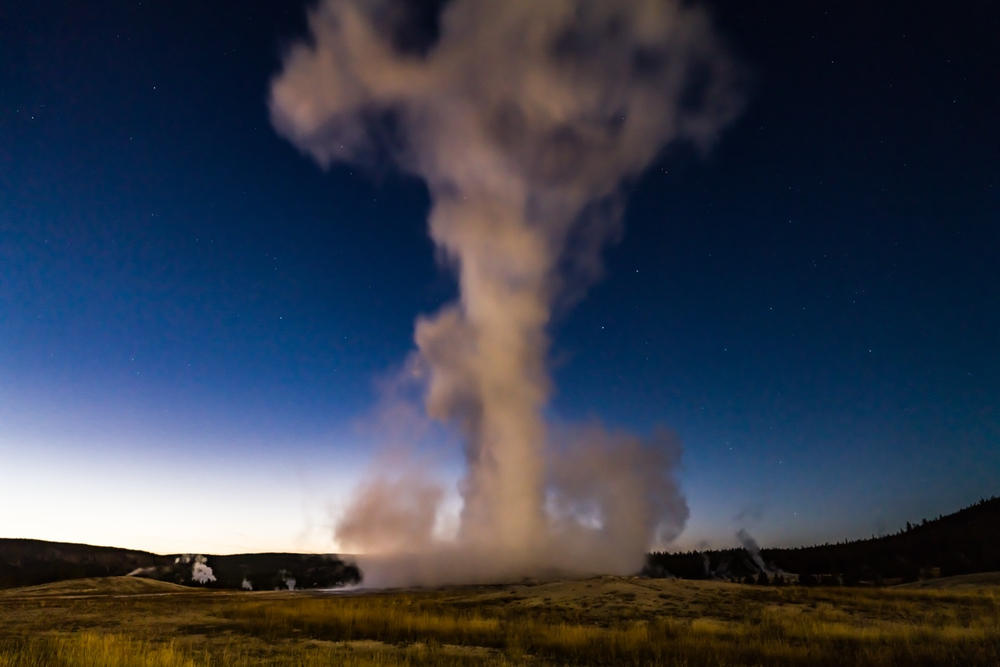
(487, 361)
(525, 118)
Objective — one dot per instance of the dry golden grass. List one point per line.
(609, 620)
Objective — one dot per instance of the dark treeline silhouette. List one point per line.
(965, 542)
(26, 562)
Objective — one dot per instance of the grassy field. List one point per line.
(609, 620)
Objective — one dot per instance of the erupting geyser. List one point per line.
(525, 118)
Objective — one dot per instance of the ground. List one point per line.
(606, 620)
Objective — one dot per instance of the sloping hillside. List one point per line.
(26, 562)
(965, 542)
(92, 586)
(960, 543)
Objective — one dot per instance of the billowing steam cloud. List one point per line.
(525, 118)
(201, 573)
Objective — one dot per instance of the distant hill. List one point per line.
(25, 562)
(97, 586)
(965, 542)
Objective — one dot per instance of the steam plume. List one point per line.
(752, 548)
(525, 118)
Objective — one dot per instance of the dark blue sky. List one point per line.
(192, 314)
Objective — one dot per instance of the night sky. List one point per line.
(194, 317)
